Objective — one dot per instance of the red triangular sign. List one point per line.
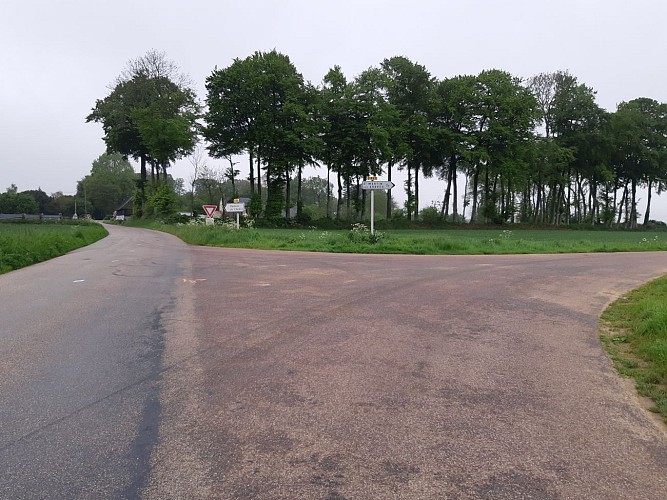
(209, 209)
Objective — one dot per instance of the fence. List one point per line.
(30, 217)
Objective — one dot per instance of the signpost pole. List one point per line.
(372, 184)
(372, 211)
(237, 220)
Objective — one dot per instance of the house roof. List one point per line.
(127, 205)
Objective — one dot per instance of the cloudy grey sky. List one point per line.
(58, 56)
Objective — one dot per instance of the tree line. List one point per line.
(538, 150)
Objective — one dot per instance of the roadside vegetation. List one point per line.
(24, 243)
(634, 331)
(358, 239)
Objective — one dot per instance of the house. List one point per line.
(125, 210)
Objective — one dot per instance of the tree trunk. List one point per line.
(648, 203)
(475, 182)
(455, 196)
(252, 172)
(363, 200)
(142, 187)
(328, 190)
(389, 165)
(622, 203)
(339, 203)
(416, 198)
(633, 206)
(348, 202)
(408, 191)
(299, 202)
(259, 175)
(538, 200)
(288, 194)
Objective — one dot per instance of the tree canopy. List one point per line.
(149, 115)
(539, 150)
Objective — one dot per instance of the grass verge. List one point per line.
(634, 332)
(25, 243)
(423, 241)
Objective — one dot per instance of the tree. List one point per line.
(453, 124)
(409, 88)
(12, 202)
(149, 115)
(61, 204)
(209, 186)
(334, 110)
(504, 115)
(198, 163)
(260, 105)
(230, 174)
(40, 197)
(111, 182)
(640, 144)
(235, 101)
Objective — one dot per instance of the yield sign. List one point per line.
(209, 209)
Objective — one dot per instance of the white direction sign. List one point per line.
(377, 185)
(235, 207)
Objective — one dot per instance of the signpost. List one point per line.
(209, 209)
(237, 208)
(371, 184)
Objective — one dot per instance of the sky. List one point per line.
(57, 57)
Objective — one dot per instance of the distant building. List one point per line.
(126, 208)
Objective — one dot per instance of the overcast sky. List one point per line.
(58, 56)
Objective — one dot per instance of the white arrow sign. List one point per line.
(377, 185)
(235, 207)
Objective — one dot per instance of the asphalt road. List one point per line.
(188, 372)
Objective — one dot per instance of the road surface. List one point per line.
(140, 367)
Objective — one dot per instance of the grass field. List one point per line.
(634, 331)
(426, 242)
(23, 244)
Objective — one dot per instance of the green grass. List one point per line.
(634, 332)
(23, 244)
(427, 242)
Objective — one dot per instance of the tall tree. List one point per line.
(111, 181)
(409, 89)
(505, 112)
(335, 114)
(452, 120)
(259, 105)
(640, 142)
(149, 115)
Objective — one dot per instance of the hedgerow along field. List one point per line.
(418, 241)
(26, 243)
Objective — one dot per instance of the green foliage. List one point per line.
(23, 244)
(162, 202)
(429, 214)
(111, 182)
(541, 152)
(149, 115)
(18, 203)
(261, 104)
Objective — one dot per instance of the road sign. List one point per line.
(235, 207)
(377, 185)
(209, 209)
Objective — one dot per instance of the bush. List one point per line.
(430, 214)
